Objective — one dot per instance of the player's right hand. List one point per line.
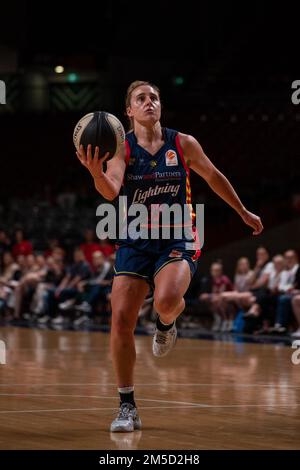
(93, 163)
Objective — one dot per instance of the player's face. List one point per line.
(145, 106)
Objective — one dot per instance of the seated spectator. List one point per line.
(26, 264)
(36, 272)
(53, 244)
(259, 280)
(243, 275)
(240, 297)
(265, 305)
(54, 275)
(8, 268)
(106, 247)
(64, 296)
(286, 287)
(296, 303)
(212, 288)
(262, 270)
(5, 244)
(21, 246)
(7, 273)
(95, 288)
(90, 246)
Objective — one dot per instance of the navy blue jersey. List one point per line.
(153, 180)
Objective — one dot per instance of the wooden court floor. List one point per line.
(57, 391)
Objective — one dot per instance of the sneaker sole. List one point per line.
(137, 425)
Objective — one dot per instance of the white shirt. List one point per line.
(287, 279)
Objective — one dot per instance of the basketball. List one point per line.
(100, 129)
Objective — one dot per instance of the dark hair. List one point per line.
(130, 89)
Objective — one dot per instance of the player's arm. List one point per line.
(108, 183)
(200, 163)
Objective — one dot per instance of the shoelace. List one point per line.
(126, 412)
(162, 338)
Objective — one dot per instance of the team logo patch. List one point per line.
(175, 254)
(171, 158)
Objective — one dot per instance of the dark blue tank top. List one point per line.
(157, 179)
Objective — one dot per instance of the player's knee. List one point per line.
(166, 303)
(296, 301)
(284, 299)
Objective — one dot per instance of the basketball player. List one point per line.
(150, 155)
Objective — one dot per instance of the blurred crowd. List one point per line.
(262, 299)
(48, 287)
(56, 286)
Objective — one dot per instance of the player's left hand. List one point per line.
(253, 221)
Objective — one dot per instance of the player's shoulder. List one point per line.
(186, 140)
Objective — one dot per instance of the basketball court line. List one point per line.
(154, 408)
(161, 384)
(85, 348)
(173, 403)
(30, 395)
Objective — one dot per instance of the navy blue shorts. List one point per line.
(144, 264)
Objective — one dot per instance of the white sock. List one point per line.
(165, 324)
(125, 389)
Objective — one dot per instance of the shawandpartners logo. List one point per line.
(2, 92)
(2, 352)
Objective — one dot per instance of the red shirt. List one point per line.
(22, 248)
(107, 249)
(221, 284)
(88, 250)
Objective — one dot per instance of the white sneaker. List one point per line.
(58, 320)
(224, 326)
(84, 307)
(43, 319)
(67, 305)
(296, 333)
(127, 420)
(164, 341)
(216, 326)
(80, 320)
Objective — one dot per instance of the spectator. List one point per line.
(285, 288)
(106, 247)
(296, 302)
(240, 297)
(214, 286)
(5, 244)
(21, 246)
(37, 270)
(54, 275)
(90, 246)
(96, 288)
(53, 244)
(259, 280)
(266, 303)
(65, 294)
(6, 279)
